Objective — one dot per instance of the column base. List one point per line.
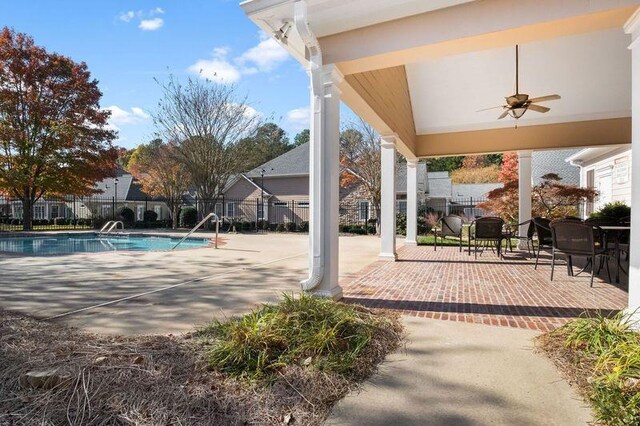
(410, 243)
(392, 257)
(335, 293)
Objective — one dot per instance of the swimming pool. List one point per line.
(91, 243)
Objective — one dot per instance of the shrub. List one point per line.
(280, 227)
(59, 221)
(149, 216)
(616, 210)
(99, 222)
(401, 223)
(273, 227)
(290, 227)
(303, 331)
(127, 216)
(188, 217)
(303, 226)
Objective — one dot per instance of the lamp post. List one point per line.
(262, 173)
(115, 196)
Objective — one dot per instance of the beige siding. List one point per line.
(614, 170)
(288, 187)
(242, 190)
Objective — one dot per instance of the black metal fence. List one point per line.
(252, 214)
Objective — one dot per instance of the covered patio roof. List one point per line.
(422, 70)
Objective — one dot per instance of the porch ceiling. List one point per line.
(458, 59)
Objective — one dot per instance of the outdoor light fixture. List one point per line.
(282, 35)
(517, 112)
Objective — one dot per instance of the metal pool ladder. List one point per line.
(110, 226)
(207, 217)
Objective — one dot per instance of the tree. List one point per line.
(360, 159)
(302, 137)
(553, 199)
(158, 168)
(207, 120)
(269, 142)
(54, 137)
(445, 164)
(124, 156)
(475, 169)
(509, 168)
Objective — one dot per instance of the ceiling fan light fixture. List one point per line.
(517, 112)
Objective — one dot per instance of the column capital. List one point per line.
(412, 162)
(525, 153)
(632, 26)
(332, 75)
(388, 141)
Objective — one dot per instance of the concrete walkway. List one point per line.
(453, 373)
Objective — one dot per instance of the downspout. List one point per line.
(316, 264)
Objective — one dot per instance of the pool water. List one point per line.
(91, 243)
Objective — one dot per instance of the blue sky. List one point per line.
(127, 44)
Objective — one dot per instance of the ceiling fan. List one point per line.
(519, 103)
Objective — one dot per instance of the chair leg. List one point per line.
(537, 257)
(553, 261)
(606, 258)
(593, 269)
(435, 241)
(460, 243)
(569, 266)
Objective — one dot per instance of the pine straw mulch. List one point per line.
(116, 380)
(574, 366)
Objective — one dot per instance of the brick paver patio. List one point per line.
(454, 286)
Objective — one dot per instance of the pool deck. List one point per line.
(185, 287)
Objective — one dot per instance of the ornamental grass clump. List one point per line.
(302, 331)
(601, 355)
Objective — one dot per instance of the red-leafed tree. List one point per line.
(509, 168)
(503, 202)
(158, 168)
(54, 137)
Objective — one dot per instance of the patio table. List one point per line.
(616, 231)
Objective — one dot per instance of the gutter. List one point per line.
(316, 163)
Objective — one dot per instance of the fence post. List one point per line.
(73, 213)
(258, 213)
(113, 208)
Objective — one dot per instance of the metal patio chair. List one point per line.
(450, 226)
(543, 234)
(528, 238)
(571, 238)
(486, 230)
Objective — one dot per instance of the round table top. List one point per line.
(616, 228)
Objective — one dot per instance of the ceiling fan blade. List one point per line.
(504, 114)
(545, 98)
(487, 109)
(538, 108)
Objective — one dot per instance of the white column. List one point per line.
(633, 27)
(412, 202)
(388, 199)
(324, 170)
(525, 182)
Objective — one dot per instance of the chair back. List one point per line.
(625, 221)
(571, 237)
(451, 226)
(543, 229)
(489, 227)
(531, 230)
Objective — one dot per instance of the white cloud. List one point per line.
(122, 117)
(218, 69)
(151, 24)
(146, 19)
(127, 16)
(267, 55)
(263, 57)
(298, 118)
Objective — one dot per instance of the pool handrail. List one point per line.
(114, 225)
(106, 225)
(198, 226)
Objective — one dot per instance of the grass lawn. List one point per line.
(428, 240)
(601, 357)
(280, 364)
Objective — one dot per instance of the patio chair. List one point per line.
(486, 230)
(543, 232)
(571, 238)
(450, 226)
(528, 238)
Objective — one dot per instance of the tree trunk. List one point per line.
(377, 209)
(174, 216)
(27, 212)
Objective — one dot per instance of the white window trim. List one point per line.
(360, 216)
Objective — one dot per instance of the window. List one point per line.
(231, 209)
(158, 209)
(38, 211)
(106, 211)
(401, 206)
(363, 210)
(55, 211)
(140, 212)
(263, 210)
(303, 204)
(280, 203)
(218, 210)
